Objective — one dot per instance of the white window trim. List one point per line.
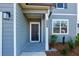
(31, 32)
(58, 7)
(53, 20)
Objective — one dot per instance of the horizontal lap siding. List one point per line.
(72, 25)
(21, 30)
(7, 31)
(71, 9)
(36, 46)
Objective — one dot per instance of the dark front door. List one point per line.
(35, 32)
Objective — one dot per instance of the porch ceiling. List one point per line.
(30, 15)
(36, 6)
(35, 10)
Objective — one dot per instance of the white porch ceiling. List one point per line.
(36, 6)
(35, 10)
(31, 15)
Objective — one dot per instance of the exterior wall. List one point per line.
(22, 34)
(7, 30)
(71, 9)
(37, 46)
(21, 30)
(72, 25)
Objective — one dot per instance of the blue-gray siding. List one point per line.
(71, 9)
(22, 34)
(72, 25)
(21, 30)
(7, 30)
(33, 47)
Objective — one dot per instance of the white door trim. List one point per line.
(31, 32)
(0, 33)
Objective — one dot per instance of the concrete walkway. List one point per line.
(33, 54)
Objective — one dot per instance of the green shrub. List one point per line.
(53, 39)
(64, 51)
(77, 37)
(71, 44)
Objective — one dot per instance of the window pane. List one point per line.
(34, 34)
(78, 26)
(65, 5)
(63, 26)
(60, 5)
(56, 27)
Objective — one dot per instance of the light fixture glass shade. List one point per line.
(6, 15)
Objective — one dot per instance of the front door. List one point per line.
(0, 33)
(34, 31)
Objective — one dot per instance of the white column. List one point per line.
(46, 33)
(15, 29)
(0, 33)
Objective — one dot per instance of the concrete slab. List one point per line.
(53, 49)
(33, 54)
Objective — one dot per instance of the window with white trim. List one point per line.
(61, 5)
(60, 26)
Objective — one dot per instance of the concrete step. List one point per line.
(33, 54)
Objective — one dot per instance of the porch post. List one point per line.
(46, 33)
(15, 52)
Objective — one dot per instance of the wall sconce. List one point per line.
(6, 15)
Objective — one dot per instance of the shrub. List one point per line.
(63, 40)
(71, 44)
(77, 37)
(53, 39)
(64, 51)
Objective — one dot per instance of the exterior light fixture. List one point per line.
(6, 15)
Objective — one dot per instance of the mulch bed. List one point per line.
(60, 46)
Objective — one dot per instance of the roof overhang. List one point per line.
(36, 6)
(35, 10)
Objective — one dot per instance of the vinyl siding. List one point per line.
(7, 30)
(71, 9)
(21, 30)
(72, 26)
(35, 47)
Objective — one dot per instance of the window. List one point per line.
(56, 27)
(78, 25)
(60, 26)
(61, 5)
(34, 31)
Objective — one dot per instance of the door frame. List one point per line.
(31, 32)
(0, 33)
